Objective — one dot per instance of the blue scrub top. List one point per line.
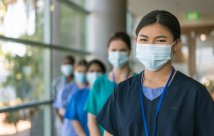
(63, 98)
(152, 93)
(58, 86)
(75, 107)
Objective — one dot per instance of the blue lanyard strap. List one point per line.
(158, 106)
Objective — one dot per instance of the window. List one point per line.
(30, 59)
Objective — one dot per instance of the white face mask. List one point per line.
(153, 56)
(67, 69)
(118, 58)
(92, 76)
(80, 77)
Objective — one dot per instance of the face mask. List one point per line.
(66, 69)
(118, 58)
(92, 76)
(153, 56)
(80, 77)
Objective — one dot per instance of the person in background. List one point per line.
(119, 50)
(95, 70)
(57, 87)
(74, 111)
(159, 101)
(67, 94)
(212, 94)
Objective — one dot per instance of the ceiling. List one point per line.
(177, 7)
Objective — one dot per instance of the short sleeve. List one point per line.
(204, 113)
(58, 100)
(71, 110)
(54, 89)
(106, 118)
(91, 105)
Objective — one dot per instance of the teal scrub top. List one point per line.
(98, 95)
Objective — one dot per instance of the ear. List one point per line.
(176, 46)
(136, 39)
(129, 52)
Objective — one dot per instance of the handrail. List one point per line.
(24, 106)
(75, 6)
(43, 45)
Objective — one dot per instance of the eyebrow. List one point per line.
(161, 36)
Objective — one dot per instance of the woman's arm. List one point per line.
(92, 125)
(107, 133)
(78, 128)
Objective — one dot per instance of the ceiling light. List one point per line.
(203, 37)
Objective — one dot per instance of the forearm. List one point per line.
(93, 126)
(107, 133)
(78, 128)
(59, 115)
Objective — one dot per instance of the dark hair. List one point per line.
(82, 62)
(121, 36)
(98, 62)
(164, 18)
(70, 59)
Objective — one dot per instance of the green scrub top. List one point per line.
(98, 95)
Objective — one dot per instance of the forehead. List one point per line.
(94, 65)
(155, 30)
(118, 44)
(80, 67)
(67, 61)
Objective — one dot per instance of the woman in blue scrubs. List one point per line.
(74, 111)
(68, 93)
(159, 101)
(57, 87)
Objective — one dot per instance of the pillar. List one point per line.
(192, 54)
(106, 17)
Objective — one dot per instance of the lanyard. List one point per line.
(113, 77)
(158, 106)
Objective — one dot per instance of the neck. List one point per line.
(80, 86)
(157, 78)
(68, 79)
(121, 71)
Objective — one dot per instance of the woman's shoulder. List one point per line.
(135, 79)
(102, 78)
(102, 81)
(81, 93)
(129, 85)
(184, 80)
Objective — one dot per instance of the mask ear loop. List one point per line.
(173, 44)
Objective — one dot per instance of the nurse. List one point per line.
(74, 111)
(57, 87)
(119, 49)
(159, 101)
(79, 83)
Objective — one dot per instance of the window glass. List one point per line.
(22, 19)
(72, 27)
(24, 122)
(23, 69)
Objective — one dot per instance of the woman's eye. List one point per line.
(143, 40)
(161, 41)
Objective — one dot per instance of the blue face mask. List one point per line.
(80, 77)
(153, 56)
(118, 58)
